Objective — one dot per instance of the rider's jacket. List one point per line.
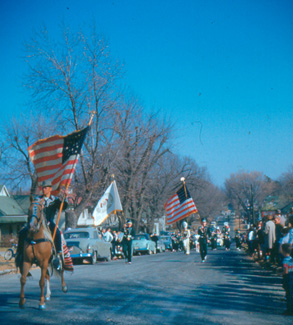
(51, 206)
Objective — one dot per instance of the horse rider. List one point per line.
(186, 238)
(203, 239)
(51, 206)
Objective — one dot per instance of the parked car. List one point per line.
(143, 244)
(167, 241)
(85, 244)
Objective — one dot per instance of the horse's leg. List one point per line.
(64, 286)
(48, 291)
(42, 284)
(24, 272)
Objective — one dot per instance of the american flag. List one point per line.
(179, 206)
(55, 158)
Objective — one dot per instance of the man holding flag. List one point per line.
(180, 205)
(54, 159)
(51, 205)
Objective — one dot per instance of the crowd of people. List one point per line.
(270, 242)
(121, 241)
(265, 238)
(204, 236)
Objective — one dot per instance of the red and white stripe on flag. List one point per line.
(55, 158)
(176, 211)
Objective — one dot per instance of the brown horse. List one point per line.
(37, 249)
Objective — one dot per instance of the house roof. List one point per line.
(23, 201)
(9, 207)
(287, 209)
(12, 219)
(272, 203)
(3, 190)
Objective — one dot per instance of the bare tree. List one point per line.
(71, 77)
(286, 182)
(143, 140)
(18, 134)
(247, 191)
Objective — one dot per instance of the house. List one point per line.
(272, 204)
(12, 215)
(85, 219)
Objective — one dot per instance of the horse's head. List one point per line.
(35, 216)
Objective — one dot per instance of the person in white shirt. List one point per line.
(186, 238)
(107, 236)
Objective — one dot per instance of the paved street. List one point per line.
(168, 288)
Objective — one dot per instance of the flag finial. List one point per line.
(91, 117)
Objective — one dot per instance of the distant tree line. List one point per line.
(246, 191)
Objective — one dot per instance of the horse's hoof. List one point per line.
(64, 289)
(21, 303)
(47, 298)
(41, 307)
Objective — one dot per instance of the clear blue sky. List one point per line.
(227, 64)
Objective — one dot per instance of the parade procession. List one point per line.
(146, 162)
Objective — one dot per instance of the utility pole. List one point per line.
(252, 204)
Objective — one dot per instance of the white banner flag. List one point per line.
(109, 203)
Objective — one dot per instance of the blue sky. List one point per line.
(225, 64)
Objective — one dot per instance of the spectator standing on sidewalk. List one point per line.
(107, 235)
(276, 247)
(260, 240)
(251, 236)
(238, 239)
(270, 236)
(114, 242)
(155, 238)
(288, 277)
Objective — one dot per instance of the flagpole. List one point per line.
(182, 179)
(67, 186)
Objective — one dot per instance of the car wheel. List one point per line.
(94, 258)
(8, 255)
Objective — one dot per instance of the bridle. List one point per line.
(34, 215)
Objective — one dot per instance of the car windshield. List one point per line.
(140, 237)
(165, 238)
(74, 235)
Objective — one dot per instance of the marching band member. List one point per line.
(186, 238)
(203, 240)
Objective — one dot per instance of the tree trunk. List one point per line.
(70, 219)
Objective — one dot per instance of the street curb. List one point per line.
(7, 271)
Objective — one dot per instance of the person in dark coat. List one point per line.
(129, 235)
(203, 239)
(238, 240)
